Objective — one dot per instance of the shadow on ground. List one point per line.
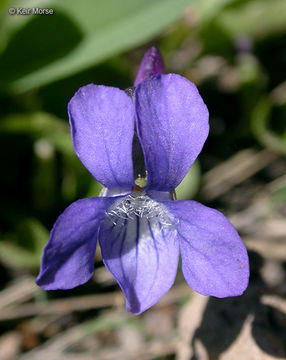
(223, 319)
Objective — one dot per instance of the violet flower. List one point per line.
(141, 229)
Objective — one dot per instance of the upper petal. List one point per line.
(68, 256)
(142, 254)
(214, 259)
(172, 126)
(102, 128)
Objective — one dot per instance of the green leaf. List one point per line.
(207, 9)
(50, 133)
(260, 123)
(256, 18)
(17, 256)
(278, 197)
(40, 126)
(79, 35)
(30, 230)
(24, 247)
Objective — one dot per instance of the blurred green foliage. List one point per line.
(79, 35)
(234, 50)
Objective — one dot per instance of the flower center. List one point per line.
(138, 204)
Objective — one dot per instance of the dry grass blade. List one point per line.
(54, 348)
(274, 301)
(190, 318)
(63, 306)
(268, 247)
(260, 208)
(238, 168)
(10, 345)
(150, 350)
(83, 303)
(19, 291)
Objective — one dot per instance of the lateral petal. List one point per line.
(68, 256)
(214, 259)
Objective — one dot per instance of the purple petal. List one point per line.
(68, 257)
(102, 128)
(151, 64)
(172, 126)
(143, 258)
(214, 259)
(117, 191)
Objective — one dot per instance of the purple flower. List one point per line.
(141, 229)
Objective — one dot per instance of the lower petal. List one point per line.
(142, 254)
(214, 259)
(68, 257)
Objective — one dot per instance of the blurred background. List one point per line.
(235, 52)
